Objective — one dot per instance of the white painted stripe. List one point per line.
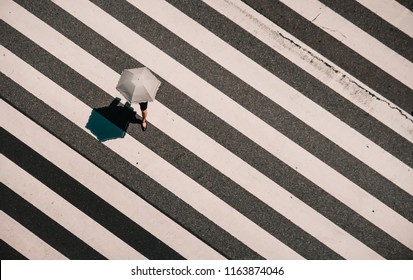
(154, 166)
(309, 112)
(108, 189)
(316, 65)
(355, 38)
(24, 241)
(392, 12)
(210, 151)
(245, 122)
(58, 208)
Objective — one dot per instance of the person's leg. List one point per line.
(144, 115)
(144, 110)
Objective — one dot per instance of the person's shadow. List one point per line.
(111, 122)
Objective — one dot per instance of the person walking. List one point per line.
(144, 110)
(139, 85)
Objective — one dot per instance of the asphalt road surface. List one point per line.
(281, 130)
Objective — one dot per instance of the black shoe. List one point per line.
(144, 127)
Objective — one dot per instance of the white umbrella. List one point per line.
(138, 85)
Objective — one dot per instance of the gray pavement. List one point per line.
(186, 161)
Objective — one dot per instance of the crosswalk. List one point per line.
(282, 130)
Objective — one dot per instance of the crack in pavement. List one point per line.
(321, 11)
(344, 77)
(333, 30)
(282, 41)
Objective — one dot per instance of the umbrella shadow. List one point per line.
(111, 122)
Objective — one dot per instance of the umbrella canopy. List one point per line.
(138, 85)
